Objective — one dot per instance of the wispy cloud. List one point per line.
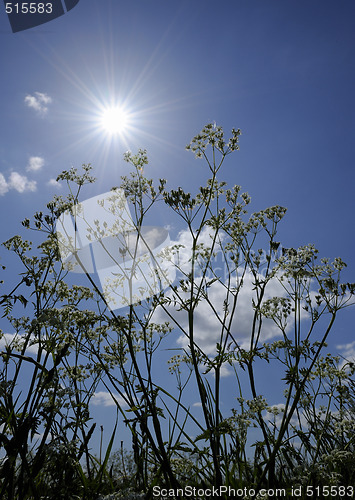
(348, 352)
(39, 102)
(21, 183)
(39, 436)
(104, 398)
(35, 163)
(275, 414)
(16, 341)
(18, 182)
(4, 187)
(54, 183)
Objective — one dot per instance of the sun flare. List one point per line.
(114, 120)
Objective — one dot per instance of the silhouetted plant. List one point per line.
(79, 342)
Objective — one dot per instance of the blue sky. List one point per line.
(281, 71)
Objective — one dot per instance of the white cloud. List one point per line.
(39, 102)
(4, 187)
(18, 182)
(35, 163)
(207, 325)
(208, 314)
(185, 241)
(276, 415)
(104, 398)
(16, 341)
(54, 183)
(21, 183)
(348, 352)
(39, 436)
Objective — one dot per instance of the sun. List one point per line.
(115, 120)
